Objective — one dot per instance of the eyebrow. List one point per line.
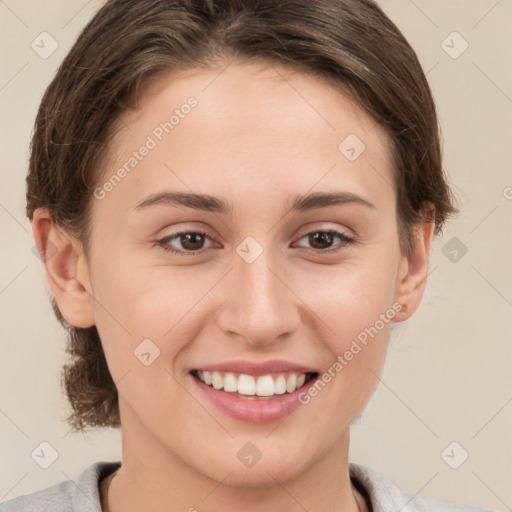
(213, 204)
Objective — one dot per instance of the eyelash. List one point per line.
(346, 240)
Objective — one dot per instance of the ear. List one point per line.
(413, 271)
(66, 269)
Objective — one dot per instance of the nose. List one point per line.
(258, 304)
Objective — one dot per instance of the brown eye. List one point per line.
(191, 242)
(321, 241)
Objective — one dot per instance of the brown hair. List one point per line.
(129, 43)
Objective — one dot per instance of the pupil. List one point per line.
(190, 238)
(322, 237)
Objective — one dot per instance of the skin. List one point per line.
(260, 135)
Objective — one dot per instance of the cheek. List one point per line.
(170, 305)
(354, 309)
(133, 305)
(349, 297)
(132, 299)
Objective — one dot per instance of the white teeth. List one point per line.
(217, 380)
(246, 385)
(250, 386)
(291, 383)
(280, 385)
(230, 382)
(265, 386)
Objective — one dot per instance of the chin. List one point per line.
(266, 472)
(265, 476)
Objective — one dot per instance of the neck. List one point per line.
(152, 477)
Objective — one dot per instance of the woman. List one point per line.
(234, 202)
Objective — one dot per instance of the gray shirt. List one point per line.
(82, 495)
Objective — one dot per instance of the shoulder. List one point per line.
(81, 494)
(385, 496)
(57, 498)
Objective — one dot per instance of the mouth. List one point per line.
(251, 387)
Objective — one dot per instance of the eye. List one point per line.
(190, 241)
(320, 238)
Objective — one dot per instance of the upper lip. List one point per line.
(256, 368)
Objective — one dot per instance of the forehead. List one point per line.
(248, 132)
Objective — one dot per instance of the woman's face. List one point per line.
(260, 286)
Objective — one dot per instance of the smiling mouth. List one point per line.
(252, 387)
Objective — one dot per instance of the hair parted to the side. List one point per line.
(130, 43)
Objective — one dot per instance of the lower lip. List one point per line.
(255, 411)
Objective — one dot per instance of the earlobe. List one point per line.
(413, 271)
(66, 269)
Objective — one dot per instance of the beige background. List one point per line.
(448, 374)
